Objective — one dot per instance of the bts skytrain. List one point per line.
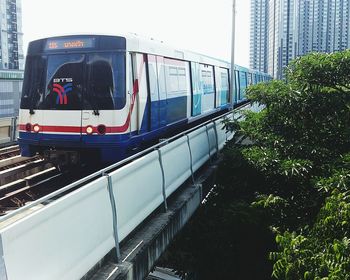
(100, 98)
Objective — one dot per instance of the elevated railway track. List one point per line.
(97, 210)
(25, 180)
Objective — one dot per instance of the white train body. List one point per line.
(104, 97)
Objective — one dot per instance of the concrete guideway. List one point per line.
(145, 246)
(68, 237)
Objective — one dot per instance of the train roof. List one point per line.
(151, 46)
(141, 44)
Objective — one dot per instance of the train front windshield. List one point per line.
(75, 81)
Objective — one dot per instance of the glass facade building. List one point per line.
(11, 38)
(10, 92)
(11, 57)
(328, 25)
(297, 27)
(259, 35)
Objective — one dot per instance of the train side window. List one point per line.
(173, 82)
(177, 77)
(207, 78)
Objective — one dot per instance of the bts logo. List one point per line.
(62, 90)
(63, 80)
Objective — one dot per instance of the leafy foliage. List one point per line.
(305, 129)
(281, 207)
(324, 252)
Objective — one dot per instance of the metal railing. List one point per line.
(112, 167)
(101, 210)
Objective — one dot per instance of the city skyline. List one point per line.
(295, 28)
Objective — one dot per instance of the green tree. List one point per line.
(281, 207)
(301, 144)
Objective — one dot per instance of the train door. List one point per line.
(162, 91)
(197, 91)
(243, 85)
(154, 100)
(237, 87)
(139, 114)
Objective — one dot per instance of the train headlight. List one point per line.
(89, 130)
(101, 129)
(28, 127)
(36, 128)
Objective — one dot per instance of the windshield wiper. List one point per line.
(35, 93)
(31, 104)
(93, 100)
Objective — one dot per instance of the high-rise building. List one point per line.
(301, 28)
(11, 57)
(259, 35)
(10, 92)
(11, 38)
(297, 27)
(329, 25)
(272, 46)
(281, 26)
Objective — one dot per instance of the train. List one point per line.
(102, 98)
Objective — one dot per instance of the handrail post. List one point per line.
(114, 216)
(217, 138)
(191, 158)
(206, 130)
(163, 180)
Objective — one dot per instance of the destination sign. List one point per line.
(75, 43)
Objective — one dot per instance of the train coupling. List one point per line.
(62, 158)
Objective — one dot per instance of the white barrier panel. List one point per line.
(221, 133)
(231, 117)
(176, 164)
(66, 238)
(199, 147)
(62, 240)
(137, 191)
(256, 107)
(213, 144)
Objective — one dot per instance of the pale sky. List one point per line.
(196, 25)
